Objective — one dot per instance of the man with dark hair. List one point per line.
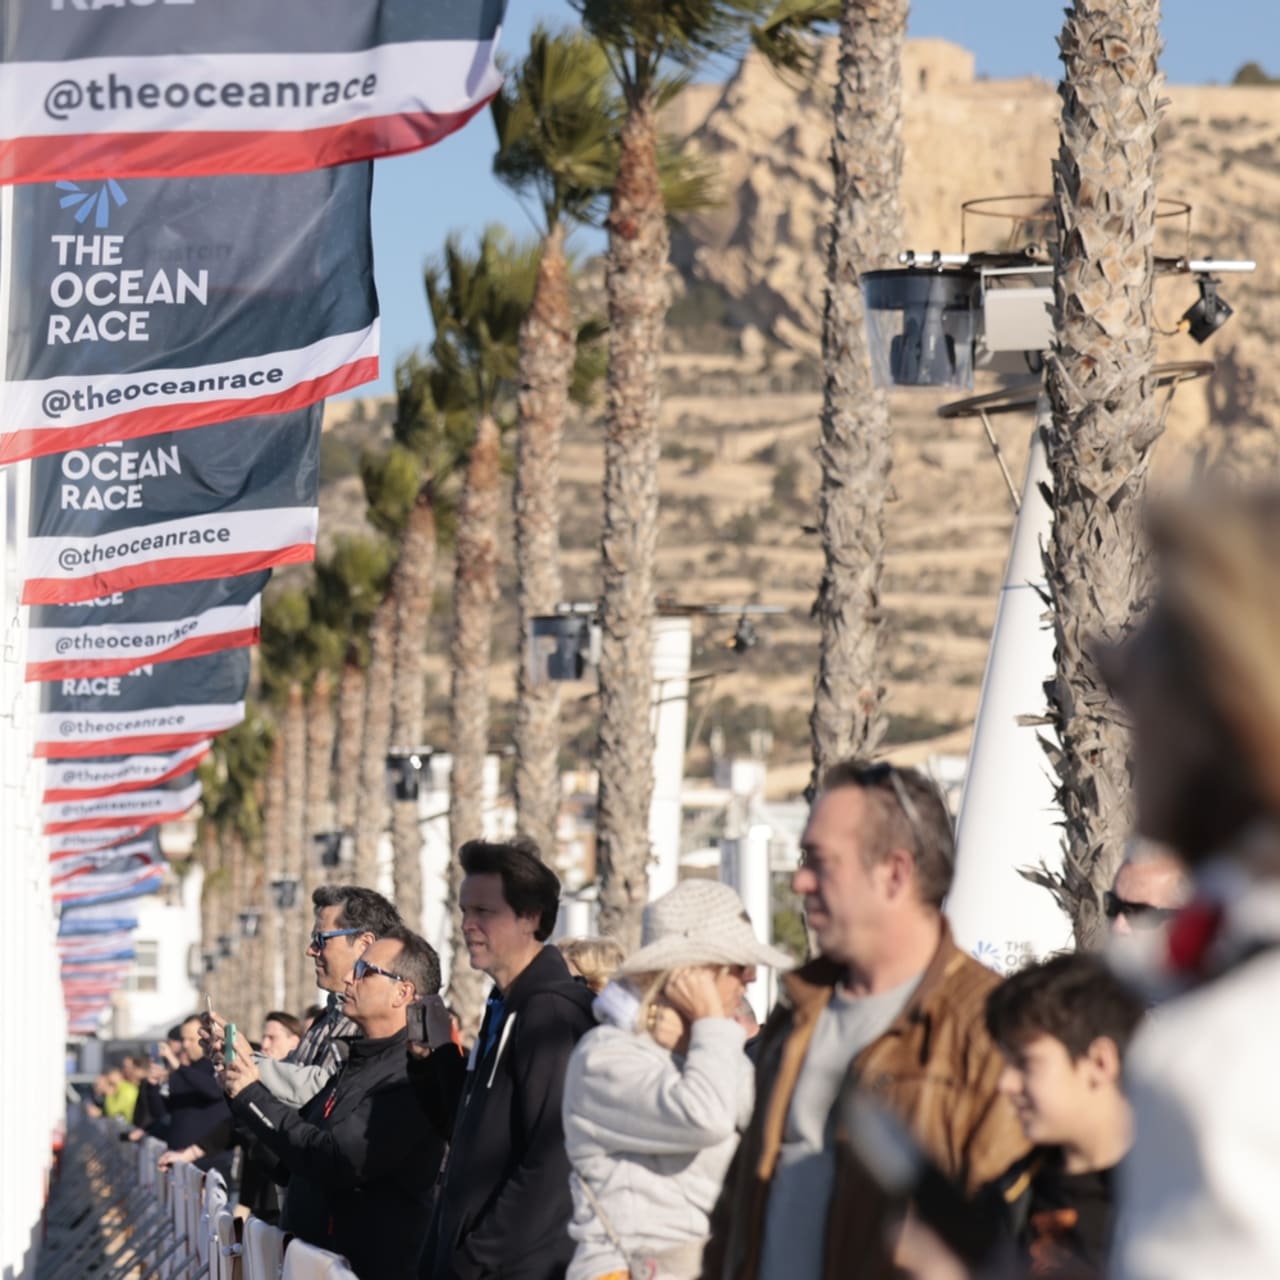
(362, 1156)
(505, 1204)
(1064, 1027)
(348, 920)
(891, 1006)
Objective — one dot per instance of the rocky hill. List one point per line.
(742, 392)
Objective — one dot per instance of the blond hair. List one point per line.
(595, 959)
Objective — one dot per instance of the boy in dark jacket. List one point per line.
(1063, 1027)
(504, 1206)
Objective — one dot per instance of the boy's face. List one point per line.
(1053, 1095)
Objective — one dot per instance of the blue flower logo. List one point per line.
(986, 953)
(96, 201)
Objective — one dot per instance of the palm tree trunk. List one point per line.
(371, 811)
(546, 369)
(295, 842)
(211, 860)
(638, 293)
(475, 591)
(856, 452)
(273, 838)
(415, 584)
(248, 875)
(321, 727)
(346, 781)
(1105, 420)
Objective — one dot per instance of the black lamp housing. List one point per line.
(558, 647)
(404, 771)
(1208, 313)
(921, 326)
(226, 945)
(329, 847)
(250, 921)
(209, 960)
(286, 892)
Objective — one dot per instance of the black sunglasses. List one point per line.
(363, 967)
(1141, 914)
(319, 937)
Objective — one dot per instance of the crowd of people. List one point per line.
(903, 1111)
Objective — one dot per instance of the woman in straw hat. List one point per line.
(655, 1097)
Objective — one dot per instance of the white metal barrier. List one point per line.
(307, 1262)
(263, 1251)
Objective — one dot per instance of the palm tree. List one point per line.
(557, 120)
(1105, 419)
(640, 38)
(856, 449)
(297, 842)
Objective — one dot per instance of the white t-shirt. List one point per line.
(799, 1196)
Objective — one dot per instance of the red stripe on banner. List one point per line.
(199, 646)
(30, 442)
(192, 153)
(95, 824)
(66, 795)
(161, 573)
(116, 747)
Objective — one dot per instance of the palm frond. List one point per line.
(790, 35)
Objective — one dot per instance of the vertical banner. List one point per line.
(69, 780)
(147, 808)
(143, 851)
(148, 306)
(96, 90)
(215, 502)
(161, 708)
(118, 633)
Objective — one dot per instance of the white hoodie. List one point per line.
(653, 1135)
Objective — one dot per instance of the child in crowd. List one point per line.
(1063, 1027)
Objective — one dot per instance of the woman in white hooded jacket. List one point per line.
(656, 1097)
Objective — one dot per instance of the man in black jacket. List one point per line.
(196, 1101)
(505, 1205)
(362, 1156)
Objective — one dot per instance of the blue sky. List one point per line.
(418, 199)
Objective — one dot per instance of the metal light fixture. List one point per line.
(250, 921)
(1208, 313)
(209, 961)
(226, 945)
(921, 325)
(745, 636)
(286, 892)
(329, 847)
(404, 771)
(559, 647)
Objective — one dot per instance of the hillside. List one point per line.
(742, 394)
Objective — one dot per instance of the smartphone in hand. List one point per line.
(417, 1022)
(229, 1048)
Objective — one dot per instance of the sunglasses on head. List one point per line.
(1140, 914)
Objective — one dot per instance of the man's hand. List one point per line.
(135, 1135)
(213, 1032)
(240, 1074)
(185, 1156)
(170, 1058)
(157, 1072)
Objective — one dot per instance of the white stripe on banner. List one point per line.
(83, 779)
(61, 734)
(254, 93)
(48, 415)
(66, 569)
(55, 652)
(132, 806)
(76, 842)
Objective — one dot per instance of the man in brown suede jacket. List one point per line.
(892, 1008)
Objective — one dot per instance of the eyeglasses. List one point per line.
(1142, 915)
(363, 967)
(319, 938)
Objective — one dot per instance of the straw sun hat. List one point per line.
(699, 922)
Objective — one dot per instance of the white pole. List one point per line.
(1008, 815)
(672, 653)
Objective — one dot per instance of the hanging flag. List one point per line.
(141, 852)
(96, 90)
(144, 307)
(109, 886)
(107, 917)
(149, 808)
(126, 630)
(96, 948)
(216, 502)
(161, 708)
(87, 779)
(77, 843)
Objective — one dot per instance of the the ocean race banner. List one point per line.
(96, 948)
(68, 780)
(160, 708)
(109, 886)
(152, 306)
(142, 852)
(128, 629)
(105, 917)
(107, 89)
(77, 843)
(217, 502)
(148, 808)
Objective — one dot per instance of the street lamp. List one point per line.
(404, 770)
(250, 921)
(226, 945)
(329, 847)
(286, 892)
(208, 961)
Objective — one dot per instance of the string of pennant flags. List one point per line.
(189, 259)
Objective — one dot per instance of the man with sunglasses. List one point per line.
(1150, 888)
(362, 1156)
(891, 1009)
